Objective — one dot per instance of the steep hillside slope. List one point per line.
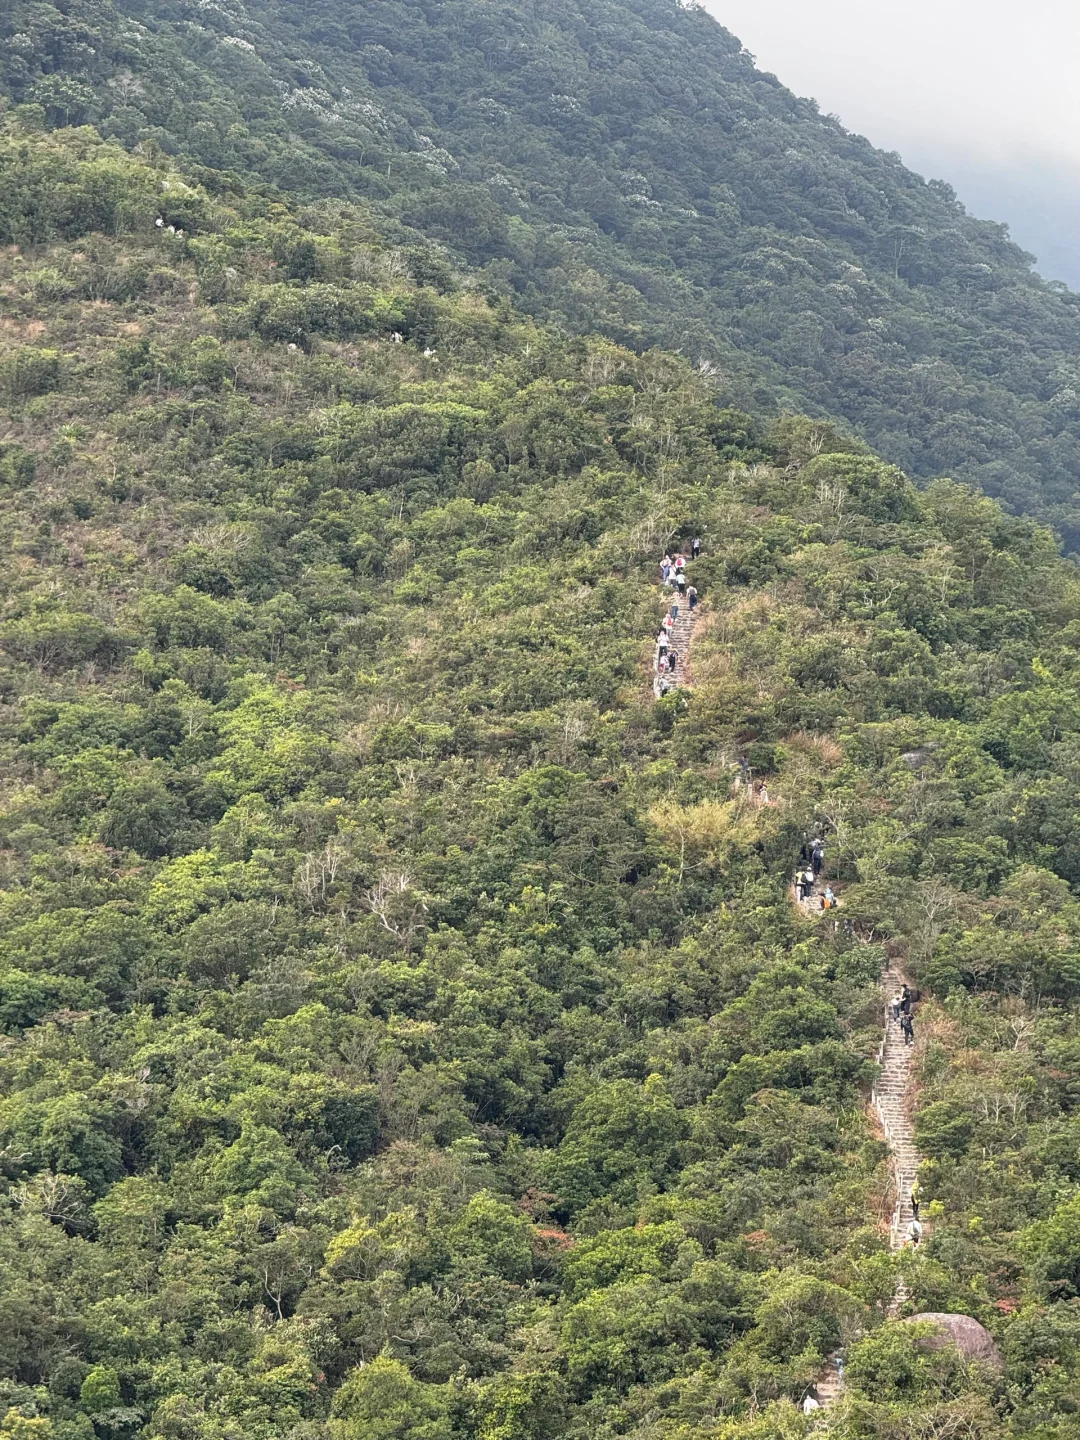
(620, 166)
(407, 1030)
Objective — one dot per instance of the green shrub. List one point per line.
(30, 372)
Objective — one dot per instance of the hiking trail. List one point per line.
(682, 634)
(893, 1100)
(893, 1094)
(680, 639)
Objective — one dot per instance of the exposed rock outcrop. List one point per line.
(972, 1340)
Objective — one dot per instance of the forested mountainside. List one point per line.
(407, 1030)
(622, 167)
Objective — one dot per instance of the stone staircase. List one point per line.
(682, 633)
(893, 1101)
(829, 1383)
(893, 1095)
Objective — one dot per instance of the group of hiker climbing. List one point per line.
(668, 663)
(808, 875)
(900, 1009)
(913, 1234)
(914, 1230)
(900, 1013)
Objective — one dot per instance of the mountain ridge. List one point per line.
(624, 169)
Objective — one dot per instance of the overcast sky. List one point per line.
(972, 91)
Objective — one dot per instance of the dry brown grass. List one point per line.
(712, 831)
(22, 330)
(934, 1024)
(972, 1062)
(822, 749)
(751, 612)
(714, 666)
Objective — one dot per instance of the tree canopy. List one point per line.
(620, 167)
(406, 1027)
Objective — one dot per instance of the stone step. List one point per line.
(681, 639)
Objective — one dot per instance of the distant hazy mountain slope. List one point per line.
(619, 165)
(1042, 202)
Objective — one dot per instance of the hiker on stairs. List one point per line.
(671, 661)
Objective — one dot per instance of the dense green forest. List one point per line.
(406, 1031)
(618, 167)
